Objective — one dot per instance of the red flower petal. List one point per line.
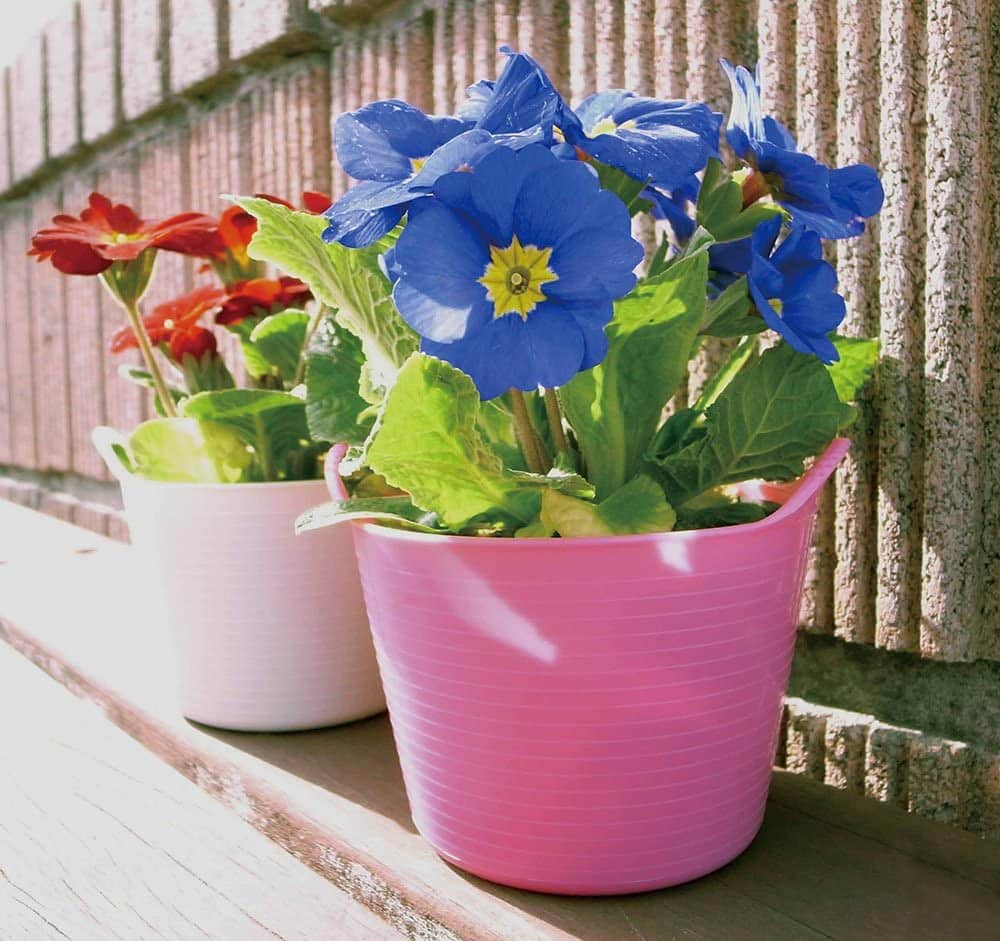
(197, 341)
(316, 203)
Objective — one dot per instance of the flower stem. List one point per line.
(264, 448)
(526, 435)
(554, 413)
(149, 357)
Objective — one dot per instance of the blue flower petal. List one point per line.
(380, 140)
(524, 98)
(857, 189)
(439, 259)
(359, 218)
(746, 118)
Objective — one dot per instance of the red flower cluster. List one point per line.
(261, 296)
(176, 323)
(106, 232)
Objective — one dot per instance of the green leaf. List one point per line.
(427, 442)
(625, 187)
(724, 512)
(272, 423)
(184, 450)
(737, 360)
(855, 367)
(335, 409)
(279, 339)
(732, 314)
(615, 408)
(394, 511)
(226, 404)
(772, 416)
(638, 507)
(349, 280)
(720, 206)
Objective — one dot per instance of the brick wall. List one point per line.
(167, 103)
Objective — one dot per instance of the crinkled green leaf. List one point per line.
(772, 416)
(851, 373)
(349, 280)
(184, 450)
(279, 340)
(720, 206)
(638, 507)
(615, 408)
(427, 442)
(394, 511)
(335, 409)
(272, 423)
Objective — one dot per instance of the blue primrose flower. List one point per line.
(663, 142)
(673, 206)
(833, 203)
(793, 288)
(397, 152)
(511, 270)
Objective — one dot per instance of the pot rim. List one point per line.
(811, 483)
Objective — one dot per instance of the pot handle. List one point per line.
(105, 439)
(331, 472)
(814, 479)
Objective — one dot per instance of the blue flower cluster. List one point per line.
(513, 254)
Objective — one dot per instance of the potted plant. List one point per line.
(584, 607)
(270, 631)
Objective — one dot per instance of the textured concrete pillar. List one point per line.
(954, 306)
(901, 278)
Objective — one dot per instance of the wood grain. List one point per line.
(826, 864)
(99, 840)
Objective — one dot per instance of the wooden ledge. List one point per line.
(825, 865)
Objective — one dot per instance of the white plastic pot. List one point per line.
(269, 628)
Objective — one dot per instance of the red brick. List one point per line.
(143, 42)
(21, 492)
(195, 45)
(118, 527)
(49, 325)
(85, 351)
(19, 360)
(27, 130)
(62, 56)
(92, 516)
(5, 154)
(255, 24)
(99, 88)
(56, 504)
(7, 326)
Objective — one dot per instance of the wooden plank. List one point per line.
(826, 864)
(99, 839)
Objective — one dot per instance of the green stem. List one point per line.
(554, 413)
(264, 448)
(526, 435)
(149, 357)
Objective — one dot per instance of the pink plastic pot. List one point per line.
(590, 716)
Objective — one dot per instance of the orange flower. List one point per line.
(178, 316)
(261, 296)
(106, 232)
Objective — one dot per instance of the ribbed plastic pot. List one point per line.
(590, 716)
(269, 628)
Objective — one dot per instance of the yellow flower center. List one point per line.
(607, 126)
(417, 163)
(514, 277)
